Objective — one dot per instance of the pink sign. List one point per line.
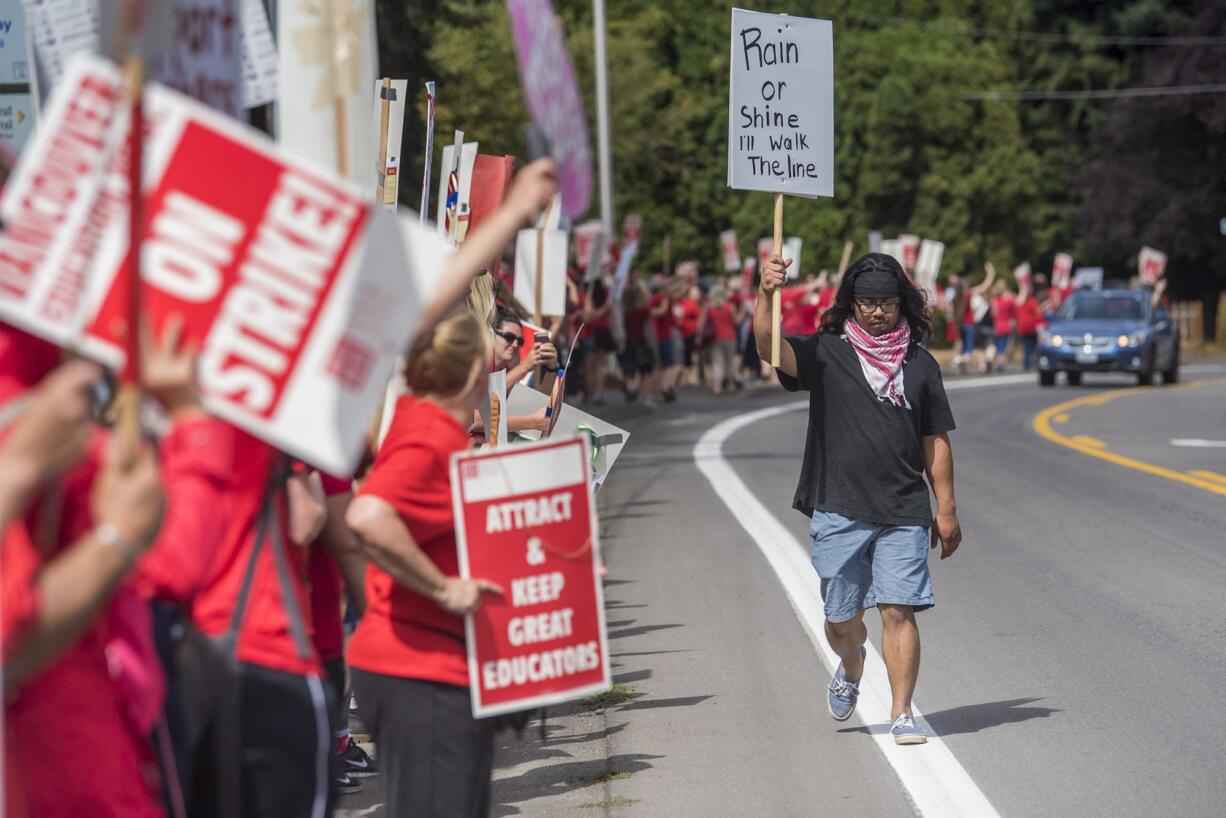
(553, 97)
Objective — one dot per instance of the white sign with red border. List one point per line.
(1151, 265)
(731, 251)
(526, 520)
(1061, 271)
(297, 293)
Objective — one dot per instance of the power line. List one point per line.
(1117, 93)
(1044, 36)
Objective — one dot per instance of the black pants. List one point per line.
(284, 745)
(435, 759)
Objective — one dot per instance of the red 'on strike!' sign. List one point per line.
(524, 520)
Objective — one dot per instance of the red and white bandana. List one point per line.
(881, 358)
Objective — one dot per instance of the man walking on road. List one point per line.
(878, 422)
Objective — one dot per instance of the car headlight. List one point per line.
(1057, 340)
(1134, 339)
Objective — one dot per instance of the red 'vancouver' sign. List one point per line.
(289, 282)
(525, 520)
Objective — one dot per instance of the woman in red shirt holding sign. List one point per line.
(410, 666)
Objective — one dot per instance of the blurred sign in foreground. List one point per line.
(289, 282)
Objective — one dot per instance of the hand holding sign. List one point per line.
(781, 115)
(462, 597)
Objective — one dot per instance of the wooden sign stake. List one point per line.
(777, 298)
(127, 403)
(843, 262)
(539, 293)
(385, 111)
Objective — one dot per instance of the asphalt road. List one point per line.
(1073, 664)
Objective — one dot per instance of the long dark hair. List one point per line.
(914, 304)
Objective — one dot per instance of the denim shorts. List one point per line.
(863, 565)
(668, 353)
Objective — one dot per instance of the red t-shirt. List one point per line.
(19, 564)
(665, 322)
(825, 300)
(636, 324)
(599, 297)
(722, 322)
(798, 318)
(106, 768)
(1028, 316)
(327, 587)
(404, 633)
(1003, 309)
(691, 313)
(226, 529)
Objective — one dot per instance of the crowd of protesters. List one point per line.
(187, 613)
(174, 600)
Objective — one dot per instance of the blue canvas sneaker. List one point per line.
(906, 731)
(843, 693)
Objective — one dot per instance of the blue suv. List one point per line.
(1108, 331)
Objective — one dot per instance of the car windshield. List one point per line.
(1102, 306)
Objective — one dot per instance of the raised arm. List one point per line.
(774, 274)
(533, 188)
(988, 280)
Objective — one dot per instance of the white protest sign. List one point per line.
(791, 249)
(730, 250)
(611, 440)
(928, 265)
(622, 273)
(395, 137)
(60, 29)
(1061, 270)
(202, 59)
(1021, 274)
(553, 270)
(766, 249)
(781, 104)
(427, 252)
(259, 56)
(218, 51)
(526, 521)
(874, 241)
(909, 247)
(892, 248)
(1151, 265)
(288, 281)
(586, 235)
(1090, 278)
(468, 159)
(326, 63)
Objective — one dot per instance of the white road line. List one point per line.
(1198, 443)
(937, 783)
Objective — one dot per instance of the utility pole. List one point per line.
(602, 122)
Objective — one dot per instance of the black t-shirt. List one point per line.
(864, 457)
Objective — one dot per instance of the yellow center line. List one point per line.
(1080, 443)
(1092, 442)
(1208, 475)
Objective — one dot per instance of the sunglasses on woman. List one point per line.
(511, 338)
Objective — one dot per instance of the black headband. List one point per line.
(876, 284)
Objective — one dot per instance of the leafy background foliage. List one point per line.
(1007, 180)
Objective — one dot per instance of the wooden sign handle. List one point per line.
(385, 110)
(845, 260)
(777, 298)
